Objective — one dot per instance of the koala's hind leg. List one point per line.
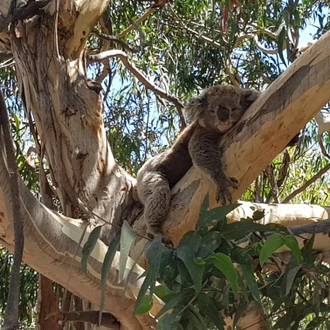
(156, 199)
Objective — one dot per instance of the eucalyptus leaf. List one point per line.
(225, 265)
(144, 306)
(209, 218)
(208, 306)
(290, 277)
(292, 244)
(273, 243)
(187, 255)
(169, 322)
(248, 276)
(89, 246)
(127, 238)
(112, 249)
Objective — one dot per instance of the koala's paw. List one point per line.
(166, 241)
(223, 194)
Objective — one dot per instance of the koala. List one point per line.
(211, 114)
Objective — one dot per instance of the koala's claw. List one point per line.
(233, 182)
(223, 194)
(165, 240)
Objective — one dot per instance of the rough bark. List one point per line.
(47, 303)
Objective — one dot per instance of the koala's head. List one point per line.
(220, 107)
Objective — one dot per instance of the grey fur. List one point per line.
(212, 114)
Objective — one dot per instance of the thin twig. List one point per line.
(204, 38)
(307, 183)
(137, 22)
(114, 39)
(141, 77)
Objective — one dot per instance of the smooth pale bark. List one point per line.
(262, 133)
(68, 119)
(51, 248)
(284, 214)
(291, 215)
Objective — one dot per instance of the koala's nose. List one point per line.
(223, 114)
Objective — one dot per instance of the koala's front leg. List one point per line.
(206, 155)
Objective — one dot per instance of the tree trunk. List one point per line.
(48, 49)
(47, 303)
(68, 114)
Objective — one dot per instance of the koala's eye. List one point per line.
(234, 109)
(212, 110)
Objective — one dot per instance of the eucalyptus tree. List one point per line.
(103, 86)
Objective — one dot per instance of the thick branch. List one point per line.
(54, 257)
(285, 214)
(269, 125)
(322, 227)
(263, 132)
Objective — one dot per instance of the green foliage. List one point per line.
(29, 288)
(29, 174)
(274, 242)
(153, 256)
(209, 276)
(112, 249)
(126, 240)
(89, 247)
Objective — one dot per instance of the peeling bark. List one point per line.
(68, 113)
(48, 50)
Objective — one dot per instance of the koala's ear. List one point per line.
(248, 96)
(196, 106)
